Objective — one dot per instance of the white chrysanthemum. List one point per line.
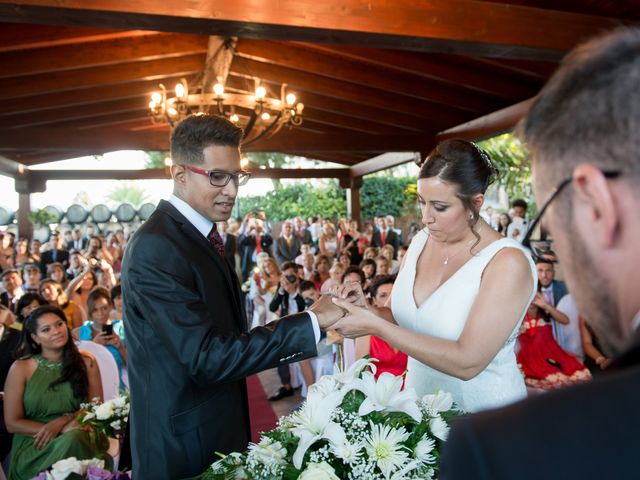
(346, 451)
(268, 452)
(422, 451)
(318, 471)
(384, 447)
(439, 428)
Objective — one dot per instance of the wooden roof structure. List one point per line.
(375, 76)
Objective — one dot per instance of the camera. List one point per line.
(291, 278)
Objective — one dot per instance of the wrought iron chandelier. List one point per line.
(258, 114)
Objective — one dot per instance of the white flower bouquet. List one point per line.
(108, 417)
(351, 426)
(71, 467)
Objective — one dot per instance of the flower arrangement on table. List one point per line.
(109, 418)
(350, 427)
(72, 468)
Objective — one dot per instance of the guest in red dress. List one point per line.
(543, 362)
(389, 359)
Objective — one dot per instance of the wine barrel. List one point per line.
(125, 212)
(101, 214)
(56, 213)
(145, 211)
(77, 214)
(6, 216)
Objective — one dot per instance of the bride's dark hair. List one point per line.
(464, 165)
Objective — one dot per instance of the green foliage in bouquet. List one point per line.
(351, 426)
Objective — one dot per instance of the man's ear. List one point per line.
(178, 173)
(595, 202)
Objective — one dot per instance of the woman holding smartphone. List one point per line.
(99, 329)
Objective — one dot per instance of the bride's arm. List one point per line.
(504, 292)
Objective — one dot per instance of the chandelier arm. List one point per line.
(250, 124)
(267, 132)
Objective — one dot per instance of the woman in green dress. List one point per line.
(43, 393)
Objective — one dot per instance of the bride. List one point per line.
(461, 293)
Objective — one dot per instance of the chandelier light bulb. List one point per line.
(156, 97)
(168, 162)
(152, 105)
(290, 98)
(261, 92)
(180, 90)
(234, 118)
(218, 89)
(172, 111)
(244, 163)
(265, 116)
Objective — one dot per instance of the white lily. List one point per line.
(386, 395)
(439, 428)
(345, 377)
(440, 402)
(313, 422)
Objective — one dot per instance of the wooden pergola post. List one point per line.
(352, 185)
(25, 185)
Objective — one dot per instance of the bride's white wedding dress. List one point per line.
(444, 315)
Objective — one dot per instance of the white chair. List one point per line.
(107, 365)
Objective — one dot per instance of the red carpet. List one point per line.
(262, 417)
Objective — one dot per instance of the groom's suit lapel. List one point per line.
(220, 262)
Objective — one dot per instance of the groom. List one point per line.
(189, 352)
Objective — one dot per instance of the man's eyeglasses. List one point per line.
(534, 245)
(220, 178)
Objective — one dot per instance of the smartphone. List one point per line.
(107, 329)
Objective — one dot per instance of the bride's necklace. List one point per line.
(449, 257)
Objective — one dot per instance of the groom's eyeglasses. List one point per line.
(535, 245)
(220, 178)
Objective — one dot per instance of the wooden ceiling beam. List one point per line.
(434, 67)
(362, 73)
(307, 81)
(97, 54)
(100, 76)
(16, 36)
(110, 140)
(85, 96)
(451, 26)
(489, 125)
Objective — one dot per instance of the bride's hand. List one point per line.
(357, 322)
(352, 292)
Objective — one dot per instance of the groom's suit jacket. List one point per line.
(582, 432)
(188, 350)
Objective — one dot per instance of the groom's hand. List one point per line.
(327, 312)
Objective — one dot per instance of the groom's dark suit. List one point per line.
(587, 431)
(188, 351)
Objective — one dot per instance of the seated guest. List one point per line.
(390, 359)
(370, 252)
(116, 313)
(353, 274)
(335, 278)
(9, 340)
(321, 271)
(344, 259)
(27, 303)
(98, 328)
(22, 254)
(543, 362)
(309, 292)
(287, 246)
(80, 287)
(328, 240)
(368, 266)
(53, 292)
(594, 360)
(56, 271)
(43, 393)
(31, 278)
(389, 253)
(383, 266)
(12, 283)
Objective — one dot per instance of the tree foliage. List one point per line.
(155, 159)
(386, 196)
(512, 160)
(128, 192)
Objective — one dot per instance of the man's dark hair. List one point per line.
(8, 272)
(307, 285)
(518, 202)
(589, 111)
(378, 281)
(546, 261)
(288, 265)
(197, 132)
(354, 269)
(116, 292)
